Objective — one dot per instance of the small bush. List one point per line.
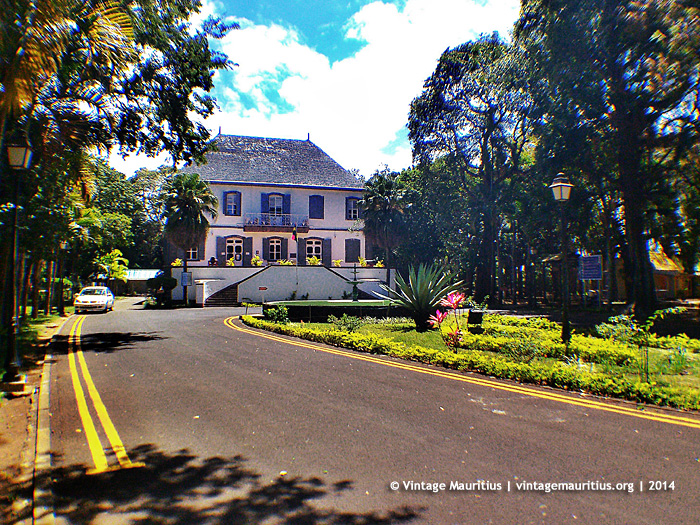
(346, 323)
(277, 314)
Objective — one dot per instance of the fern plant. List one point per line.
(422, 293)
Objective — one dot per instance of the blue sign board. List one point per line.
(590, 268)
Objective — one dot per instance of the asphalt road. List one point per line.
(199, 422)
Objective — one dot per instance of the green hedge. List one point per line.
(557, 375)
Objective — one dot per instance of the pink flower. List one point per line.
(453, 301)
(437, 319)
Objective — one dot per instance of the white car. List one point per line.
(94, 298)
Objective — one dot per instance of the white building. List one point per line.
(268, 191)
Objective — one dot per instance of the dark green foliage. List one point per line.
(277, 314)
(187, 200)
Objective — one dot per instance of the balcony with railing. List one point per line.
(269, 222)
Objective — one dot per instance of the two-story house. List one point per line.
(279, 199)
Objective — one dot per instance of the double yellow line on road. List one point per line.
(96, 450)
(658, 416)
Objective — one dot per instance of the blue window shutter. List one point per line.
(326, 252)
(285, 248)
(220, 251)
(247, 251)
(286, 204)
(200, 248)
(316, 207)
(301, 252)
(264, 203)
(352, 250)
(266, 248)
(238, 203)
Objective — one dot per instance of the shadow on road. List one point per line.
(180, 489)
(106, 342)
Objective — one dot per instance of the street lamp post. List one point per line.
(19, 158)
(561, 188)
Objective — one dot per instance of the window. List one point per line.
(276, 206)
(352, 208)
(234, 249)
(192, 254)
(314, 248)
(316, 207)
(232, 203)
(275, 249)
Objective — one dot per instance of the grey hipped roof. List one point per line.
(274, 161)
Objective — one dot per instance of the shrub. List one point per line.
(277, 314)
(346, 323)
(256, 261)
(422, 293)
(313, 261)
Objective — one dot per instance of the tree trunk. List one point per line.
(50, 267)
(35, 288)
(25, 288)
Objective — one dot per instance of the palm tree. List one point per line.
(383, 206)
(36, 37)
(187, 200)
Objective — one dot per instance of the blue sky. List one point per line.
(343, 72)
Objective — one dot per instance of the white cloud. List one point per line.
(355, 108)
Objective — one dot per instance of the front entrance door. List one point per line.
(234, 250)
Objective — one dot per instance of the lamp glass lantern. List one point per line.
(561, 188)
(19, 156)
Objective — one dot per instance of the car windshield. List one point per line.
(94, 291)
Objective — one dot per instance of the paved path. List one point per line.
(200, 420)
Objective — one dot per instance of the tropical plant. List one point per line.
(277, 314)
(256, 261)
(114, 265)
(313, 261)
(421, 294)
(187, 200)
(383, 207)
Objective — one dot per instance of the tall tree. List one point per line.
(174, 74)
(629, 70)
(474, 112)
(187, 200)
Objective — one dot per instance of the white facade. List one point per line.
(256, 229)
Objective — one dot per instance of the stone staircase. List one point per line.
(225, 297)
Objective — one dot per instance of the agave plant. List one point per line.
(422, 293)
